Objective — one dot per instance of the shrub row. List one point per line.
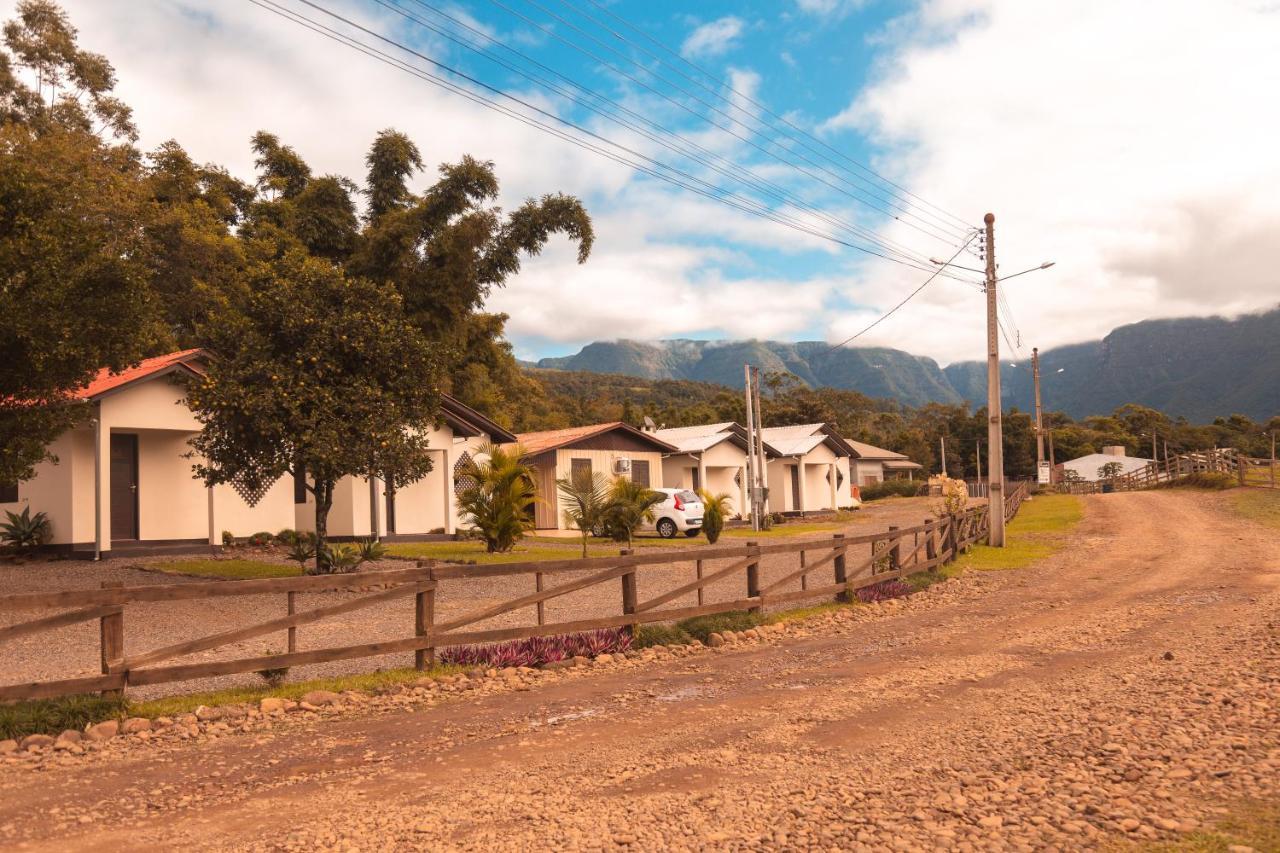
(536, 651)
(895, 488)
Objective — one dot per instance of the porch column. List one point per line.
(804, 498)
(213, 522)
(101, 486)
(375, 526)
(764, 484)
(744, 506)
(832, 472)
(446, 471)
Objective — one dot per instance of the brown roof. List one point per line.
(465, 420)
(107, 381)
(551, 439)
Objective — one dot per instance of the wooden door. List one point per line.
(124, 487)
(390, 491)
(795, 488)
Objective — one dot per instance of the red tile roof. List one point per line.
(107, 381)
(538, 442)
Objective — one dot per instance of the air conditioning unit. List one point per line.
(622, 466)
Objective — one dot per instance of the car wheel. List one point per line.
(667, 528)
(692, 533)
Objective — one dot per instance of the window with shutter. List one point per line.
(8, 493)
(640, 472)
(579, 468)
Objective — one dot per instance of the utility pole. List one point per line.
(752, 497)
(943, 439)
(762, 464)
(1035, 374)
(995, 436)
(977, 452)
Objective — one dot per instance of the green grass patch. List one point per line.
(1037, 532)
(1260, 505)
(702, 627)
(474, 552)
(369, 682)
(797, 614)
(779, 531)
(656, 634)
(229, 569)
(54, 716)
(1249, 824)
(1214, 481)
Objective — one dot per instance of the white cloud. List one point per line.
(1133, 146)
(827, 8)
(714, 38)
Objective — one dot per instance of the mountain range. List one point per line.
(1198, 368)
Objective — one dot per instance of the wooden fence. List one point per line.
(1248, 471)
(844, 564)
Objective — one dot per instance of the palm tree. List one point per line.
(715, 509)
(584, 497)
(498, 499)
(630, 505)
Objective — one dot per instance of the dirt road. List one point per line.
(1127, 686)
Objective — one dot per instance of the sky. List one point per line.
(1134, 148)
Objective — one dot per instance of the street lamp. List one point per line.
(1043, 266)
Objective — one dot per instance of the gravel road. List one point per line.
(1125, 688)
(73, 651)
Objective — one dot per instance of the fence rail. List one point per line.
(1248, 471)
(849, 563)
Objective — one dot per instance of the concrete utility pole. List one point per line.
(1035, 373)
(751, 450)
(977, 453)
(995, 433)
(943, 440)
(762, 464)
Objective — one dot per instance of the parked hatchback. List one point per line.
(679, 512)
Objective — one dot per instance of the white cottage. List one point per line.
(711, 456)
(810, 472)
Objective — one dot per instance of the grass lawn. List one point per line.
(473, 552)
(781, 531)
(238, 570)
(1252, 825)
(1260, 505)
(1036, 533)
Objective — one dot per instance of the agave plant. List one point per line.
(302, 551)
(24, 530)
(371, 550)
(338, 559)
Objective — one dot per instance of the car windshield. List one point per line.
(688, 497)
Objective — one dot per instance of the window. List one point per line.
(8, 493)
(640, 472)
(579, 468)
(299, 483)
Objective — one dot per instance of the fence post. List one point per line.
(931, 545)
(753, 575)
(291, 606)
(952, 546)
(111, 636)
(841, 571)
(895, 549)
(698, 568)
(537, 586)
(629, 599)
(424, 622)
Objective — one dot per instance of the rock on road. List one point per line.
(1129, 686)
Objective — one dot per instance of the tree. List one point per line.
(715, 509)
(74, 297)
(629, 505)
(1110, 471)
(319, 375)
(584, 497)
(499, 500)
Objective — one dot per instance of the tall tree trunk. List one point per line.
(324, 502)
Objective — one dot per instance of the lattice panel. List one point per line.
(463, 481)
(251, 494)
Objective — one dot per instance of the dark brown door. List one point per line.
(124, 487)
(391, 507)
(795, 488)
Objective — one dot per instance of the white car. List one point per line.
(680, 512)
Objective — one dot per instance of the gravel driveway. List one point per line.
(73, 650)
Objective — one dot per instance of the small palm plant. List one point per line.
(500, 496)
(630, 505)
(584, 497)
(715, 509)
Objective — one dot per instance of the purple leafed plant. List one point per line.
(539, 650)
(883, 591)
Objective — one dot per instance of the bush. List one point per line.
(535, 651)
(261, 538)
(289, 536)
(702, 627)
(661, 635)
(895, 488)
(371, 550)
(1210, 480)
(275, 676)
(24, 530)
(883, 591)
(228, 539)
(54, 716)
(777, 518)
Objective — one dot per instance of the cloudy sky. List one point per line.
(1134, 148)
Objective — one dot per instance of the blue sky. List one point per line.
(1101, 136)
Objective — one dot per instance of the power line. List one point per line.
(910, 296)
(656, 169)
(746, 97)
(857, 194)
(703, 156)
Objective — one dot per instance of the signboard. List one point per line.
(1043, 473)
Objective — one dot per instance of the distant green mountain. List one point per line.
(1199, 368)
(875, 371)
